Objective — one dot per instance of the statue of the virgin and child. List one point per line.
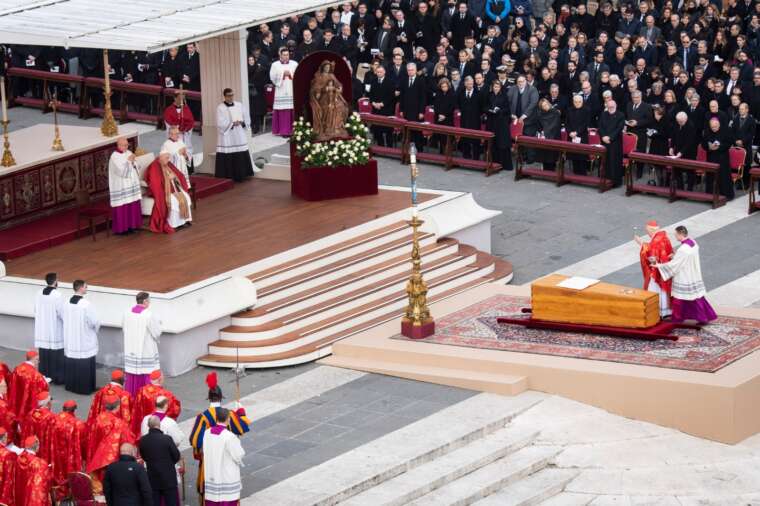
(329, 109)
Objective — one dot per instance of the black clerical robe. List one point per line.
(611, 125)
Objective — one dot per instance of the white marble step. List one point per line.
(532, 490)
(388, 456)
(424, 479)
(491, 478)
(569, 499)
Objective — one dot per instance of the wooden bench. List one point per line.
(16, 73)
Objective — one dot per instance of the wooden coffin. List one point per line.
(600, 304)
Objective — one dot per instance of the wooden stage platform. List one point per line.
(253, 221)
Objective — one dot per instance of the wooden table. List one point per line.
(672, 192)
(596, 154)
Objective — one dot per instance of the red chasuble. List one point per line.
(660, 248)
(106, 436)
(33, 480)
(68, 448)
(154, 176)
(7, 475)
(39, 423)
(26, 384)
(184, 119)
(5, 374)
(7, 419)
(112, 389)
(145, 404)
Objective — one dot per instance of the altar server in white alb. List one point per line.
(142, 331)
(48, 329)
(222, 459)
(180, 154)
(233, 160)
(80, 341)
(124, 189)
(688, 292)
(281, 73)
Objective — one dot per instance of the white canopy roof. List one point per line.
(143, 25)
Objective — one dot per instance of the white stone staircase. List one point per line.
(307, 303)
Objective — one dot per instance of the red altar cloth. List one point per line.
(324, 183)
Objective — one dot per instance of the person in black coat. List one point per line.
(160, 455)
(470, 109)
(382, 99)
(638, 119)
(658, 133)
(258, 78)
(716, 141)
(126, 482)
(611, 123)
(498, 122)
(412, 99)
(550, 127)
(743, 131)
(463, 25)
(683, 144)
(576, 126)
(444, 103)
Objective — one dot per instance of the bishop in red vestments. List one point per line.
(115, 388)
(39, 422)
(7, 469)
(660, 250)
(7, 416)
(145, 401)
(26, 385)
(68, 447)
(179, 114)
(33, 478)
(170, 191)
(106, 436)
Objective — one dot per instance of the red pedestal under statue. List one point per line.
(323, 183)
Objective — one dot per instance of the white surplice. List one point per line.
(80, 329)
(123, 179)
(48, 325)
(222, 459)
(686, 272)
(283, 87)
(141, 336)
(232, 138)
(177, 159)
(168, 426)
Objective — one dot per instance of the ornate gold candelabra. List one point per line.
(108, 127)
(8, 159)
(57, 142)
(417, 322)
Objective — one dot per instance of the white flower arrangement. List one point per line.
(354, 151)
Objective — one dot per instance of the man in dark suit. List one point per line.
(684, 145)
(126, 482)
(464, 65)
(639, 117)
(160, 454)
(596, 67)
(462, 25)
(523, 103)
(470, 107)
(383, 102)
(404, 33)
(743, 131)
(593, 104)
(412, 100)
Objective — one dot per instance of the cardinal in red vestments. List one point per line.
(68, 448)
(166, 184)
(33, 477)
(115, 388)
(5, 372)
(26, 385)
(179, 114)
(7, 416)
(7, 469)
(657, 250)
(145, 401)
(39, 422)
(106, 436)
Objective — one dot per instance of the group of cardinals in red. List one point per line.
(39, 449)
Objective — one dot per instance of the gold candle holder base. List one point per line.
(8, 160)
(58, 144)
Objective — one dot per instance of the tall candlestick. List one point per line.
(5, 105)
(108, 127)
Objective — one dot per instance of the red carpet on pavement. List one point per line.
(61, 227)
(708, 350)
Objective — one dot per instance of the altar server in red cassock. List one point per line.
(106, 436)
(26, 385)
(32, 477)
(7, 469)
(169, 188)
(114, 388)
(145, 401)
(39, 422)
(68, 446)
(7, 416)
(661, 251)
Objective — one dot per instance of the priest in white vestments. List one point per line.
(124, 189)
(80, 341)
(281, 74)
(180, 154)
(222, 459)
(233, 160)
(142, 331)
(48, 329)
(688, 292)
(168, 425)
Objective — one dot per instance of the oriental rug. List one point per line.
(708, 350)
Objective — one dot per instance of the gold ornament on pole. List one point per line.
(108, 127)
(417, 322)
(8, 159)
(57, 142)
